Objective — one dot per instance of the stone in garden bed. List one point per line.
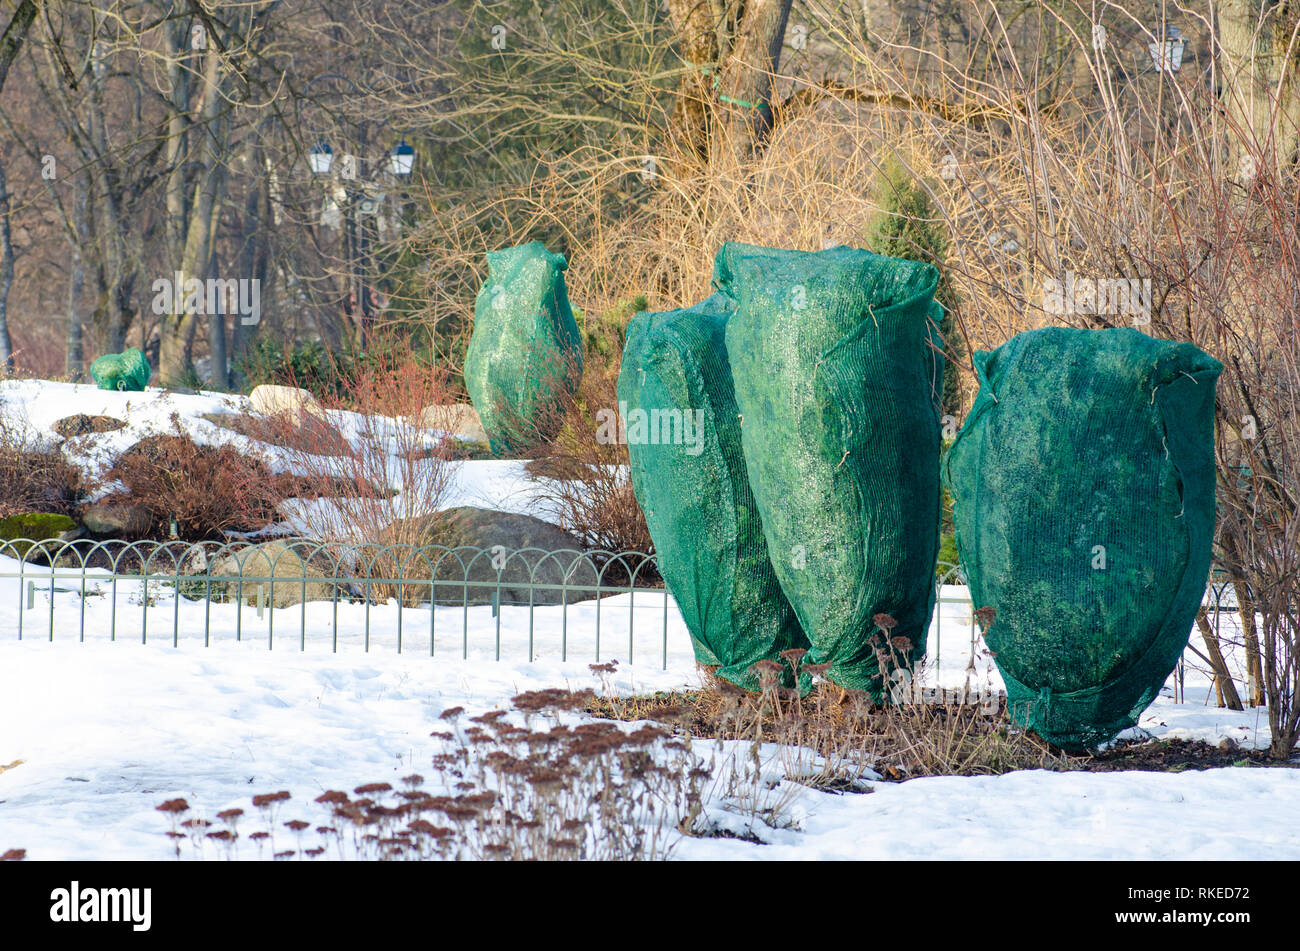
(117, 520)
(550, 556)
(271, 400)
(288, 563)
(458, 419)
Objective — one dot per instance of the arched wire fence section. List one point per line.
(406, 596)
(151, 589)
(1219, 605)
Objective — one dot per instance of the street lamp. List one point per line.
(321, 157)
(400, 162)
(1168, 55)
(402, 159)
(359, 200)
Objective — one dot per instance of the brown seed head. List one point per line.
(884, 621)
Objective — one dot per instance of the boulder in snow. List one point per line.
(459, 419)
(491, 547)
(117, 519)
(287, 571)
(295, 402)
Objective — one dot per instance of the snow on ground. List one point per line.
(103, 728)
(105, 731)
(1033, 814)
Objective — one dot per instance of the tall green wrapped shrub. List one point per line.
(526, 352)
(837, 367)
(1083, 490)
(682, 426)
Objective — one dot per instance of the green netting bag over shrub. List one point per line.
(836, 361)
(688, 473)
(128, 370)
(526, 352)
(1083, 489)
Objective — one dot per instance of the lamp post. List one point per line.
(360, 207)
(321, 157)
(361, 202)
(402, 159)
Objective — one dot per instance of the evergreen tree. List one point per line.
(911, 228)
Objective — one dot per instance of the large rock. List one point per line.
(459, 419)
(117, 519)
(287, 563)
(491, 547)
(291, 401)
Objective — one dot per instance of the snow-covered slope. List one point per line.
(37, 405)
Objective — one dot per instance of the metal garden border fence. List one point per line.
(301, 572)
(279, 576)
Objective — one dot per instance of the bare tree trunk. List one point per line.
(115, 267)
(747, 75)
(75, 359)
(1261, 90)
(1250, 635)
(1229, 545)
(175, 355)
(219, 366)
(174, 348)
(121, 271)
(733, 48)
(254, 253)
(11, 41)
(697, 23)
(6, 276)
(1226, 689)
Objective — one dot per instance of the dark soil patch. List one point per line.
(746, 836)
(81, 424)
(1174, 756)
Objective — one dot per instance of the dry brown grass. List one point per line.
(831, 737)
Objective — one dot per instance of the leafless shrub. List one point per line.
(392, 481)
(34, 477)
(584, 481)
(206, 490)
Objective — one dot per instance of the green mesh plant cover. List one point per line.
(837, 371)
(525, 353)
(688, 472)
(126, 371)
(1083, 489)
